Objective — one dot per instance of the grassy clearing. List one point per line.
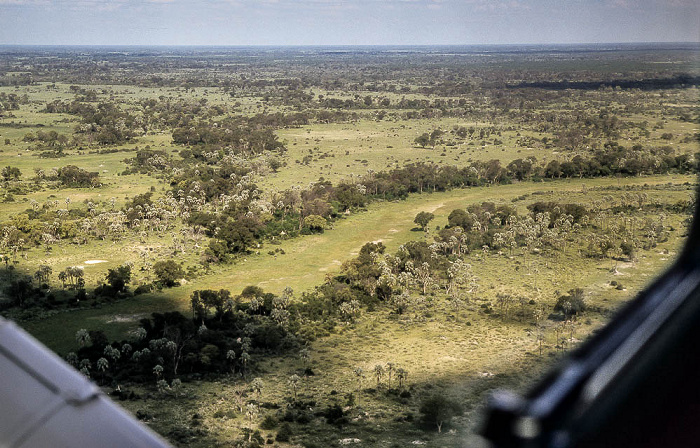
(343, 151)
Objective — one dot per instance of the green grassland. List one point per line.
(462, 349)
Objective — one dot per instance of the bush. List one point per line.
(269, 422)
(572, 303)
(143, 289)
(334, 414)
(285, 433)
(143, 415)
(224, 413)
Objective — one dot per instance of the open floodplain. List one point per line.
(335, 246)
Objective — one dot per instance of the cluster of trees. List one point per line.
(68, 176)
(223, 336)
(213, 195)
(220, 201)
(11, 101)
(616, 159)
(429, 139)
(148, 160)
(104, 123)
(420, 177)
(440, 86)
(553, 227)
(225, 333)
(72, 176)
(47, 139)
(39, 290)
(10, 173)
(245, 139)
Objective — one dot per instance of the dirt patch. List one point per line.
(435, 207)
(333, 264)
(620, 266)
(118, 318)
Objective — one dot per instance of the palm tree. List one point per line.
(83, 337)
(63, 276)
(139, 334)
(245, 357)
(230, 357)
(294, 383)
(304, 355)
(389, 370)
(422, 273)
(72, 359)
(162, 386)
(112, 353)
(401, 375)
(85, 366)
(378, 372)
(540, 337)
(43, 273)
(257, 385)
(102, 366)
(251, 411)
(360, 374)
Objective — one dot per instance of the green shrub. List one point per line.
(572, 303)
(285, 433)
(269, 422)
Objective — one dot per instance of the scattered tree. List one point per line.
(168, 272)
(423, 219)
(438, 410)
(119, 277)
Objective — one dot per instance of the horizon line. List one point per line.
(686, 42)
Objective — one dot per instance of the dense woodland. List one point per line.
(176, 164)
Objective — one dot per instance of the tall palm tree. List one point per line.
(401, 375)
(378, 372)
(294, 383)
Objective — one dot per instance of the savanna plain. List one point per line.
(335, 246)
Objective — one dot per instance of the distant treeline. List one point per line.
(676, 82)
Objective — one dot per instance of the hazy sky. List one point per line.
(346, 22)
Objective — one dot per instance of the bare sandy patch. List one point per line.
(333, 263)
(117, 318)
(435, 207)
